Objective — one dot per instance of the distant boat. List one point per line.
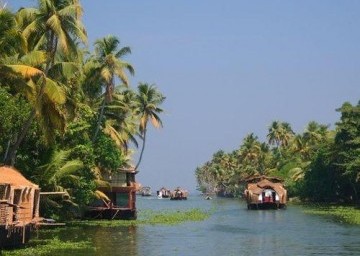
(146, 191)
(179, 194)
(163, 193)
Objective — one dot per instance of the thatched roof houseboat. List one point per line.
(263, 192)
(19, 207)
(179, 194)
(146, 191)
(163, 193)
(121, 193)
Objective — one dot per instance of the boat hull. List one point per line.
(14, 237)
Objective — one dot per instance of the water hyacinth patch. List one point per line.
(347, 214)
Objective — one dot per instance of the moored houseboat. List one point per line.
(163, 193)
(19, 208)
(121, 193)
(179, 194)
(263, 192)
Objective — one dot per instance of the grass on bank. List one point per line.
(346, 214)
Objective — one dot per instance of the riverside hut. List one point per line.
(263, 192)
(121, 193)
(19, 208)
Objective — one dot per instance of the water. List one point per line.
(231, 230)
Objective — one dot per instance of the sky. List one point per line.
(230, 68)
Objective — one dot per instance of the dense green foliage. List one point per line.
(68, 115)
(317, 165)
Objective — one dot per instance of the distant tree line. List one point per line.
(67, 114)
(319, 164)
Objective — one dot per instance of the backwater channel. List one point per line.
(231, 229)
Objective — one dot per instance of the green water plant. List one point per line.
(347, 214)
(150, 217)
(53, 246)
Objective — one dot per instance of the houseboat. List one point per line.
(146, 191)
(163, 193)
(179, 194)
(263, 192)
(121, 193)
(19, 208)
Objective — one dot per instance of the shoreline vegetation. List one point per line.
(319, 164)
(69, 114)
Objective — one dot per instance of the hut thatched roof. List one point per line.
(11, 176)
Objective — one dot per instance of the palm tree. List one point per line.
(108, 65)
(11, 40)
(42, 93)
(54, 26)
(279, 134)
(274, 133)
(148, 99)
(120, 119)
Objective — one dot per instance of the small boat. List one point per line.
(146, 191)
(263, 192)
(163, 193)
(179, 194)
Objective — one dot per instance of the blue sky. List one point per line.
(229, 68)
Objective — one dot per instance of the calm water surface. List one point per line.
(231, 230)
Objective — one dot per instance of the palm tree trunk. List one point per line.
(101, 116)
(142, 149)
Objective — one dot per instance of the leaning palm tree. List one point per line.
(43, 93)
(109, 64)
(148, 100)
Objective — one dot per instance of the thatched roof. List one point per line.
(11, 176)
(257, 178)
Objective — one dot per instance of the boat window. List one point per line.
(122, 199)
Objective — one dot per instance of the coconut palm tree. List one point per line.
(42, 93)
(11, 39)
(148, 100)
(274, 133)
(279, 134)
(120, 122)
(108, 64)
(54, 26)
